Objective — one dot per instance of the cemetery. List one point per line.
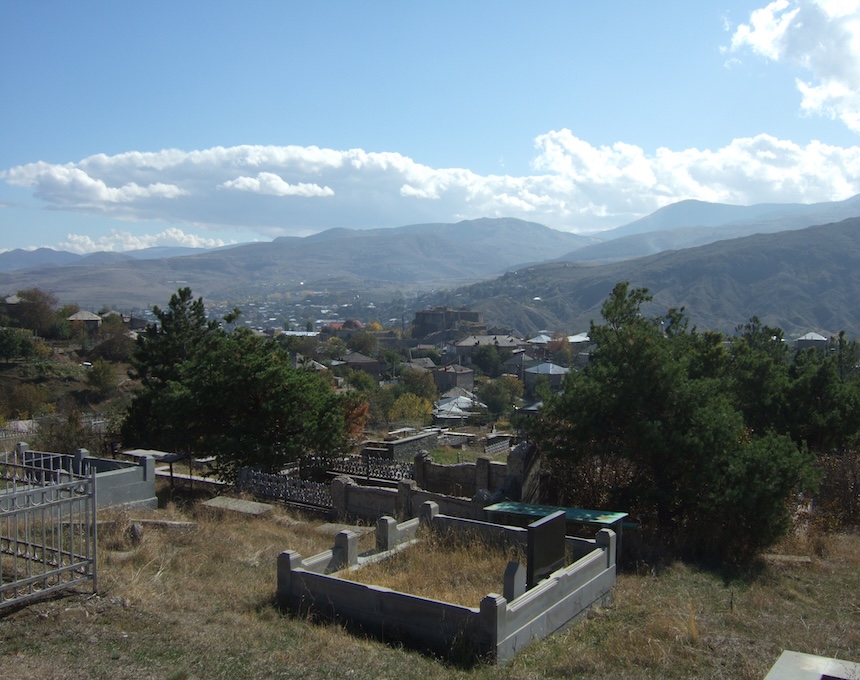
(562, 578)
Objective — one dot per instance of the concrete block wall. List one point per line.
(352, 500)
(120, 482)
(496, 630)
(117, 482)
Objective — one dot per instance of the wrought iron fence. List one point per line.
(47, 525)
(373, 468)
(284, 489)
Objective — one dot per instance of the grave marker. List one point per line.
(545, 550)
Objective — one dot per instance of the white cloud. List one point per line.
(264, 191)
(119, 241)
(272, 185)
(822, 37)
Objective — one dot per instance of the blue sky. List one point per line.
(128, 125)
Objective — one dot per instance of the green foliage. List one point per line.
(824, 406)
(391, 362)
(112, 340)
(15, 343)
(490, 359)
(333, 348)
(164, 347)
(101, 377)
(363, 343)
(500, 395)
(700, 433)
(306, 345)
(231, 394)
(360, 380)
(410, 408)
(419, 383)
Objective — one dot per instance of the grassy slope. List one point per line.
(200, 605)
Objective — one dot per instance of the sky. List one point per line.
(195, 123)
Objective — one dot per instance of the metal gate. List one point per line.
(47, 525)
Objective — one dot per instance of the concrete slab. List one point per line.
(332, 529)
(798, 666)
(251, 508)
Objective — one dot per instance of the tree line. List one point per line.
(710, 440)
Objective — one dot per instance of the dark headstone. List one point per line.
(545, 551)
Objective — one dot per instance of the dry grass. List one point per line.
(459, 570)
(199, 604)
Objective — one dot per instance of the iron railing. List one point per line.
(47, 525)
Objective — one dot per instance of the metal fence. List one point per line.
(497, 448)
(371, 467)
(47, 525)
(285, 489)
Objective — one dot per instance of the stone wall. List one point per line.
(354, 501)
(460, 479)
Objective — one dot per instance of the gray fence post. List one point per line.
(339, 492)
(386, 533)
(346, 549)
(79, 456)
(403, 504)
(492, 617)
(429, 510)
(287, 561)
(606, 539)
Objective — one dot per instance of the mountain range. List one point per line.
(723, 263)
(802, 280)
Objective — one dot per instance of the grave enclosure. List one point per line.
(48, 527)
(501, 625)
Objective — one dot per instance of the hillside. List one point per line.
(413, 257)
(799, 280)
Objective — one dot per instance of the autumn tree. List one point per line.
(410, 408)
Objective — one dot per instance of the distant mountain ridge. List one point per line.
(412, 257)
(694, 223)
(20, 259)
(801, 280)
(554, 279)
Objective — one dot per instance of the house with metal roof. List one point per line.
(91, 321)
(553, 373)
(810, 340)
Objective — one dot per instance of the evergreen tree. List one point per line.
(667, 406)
(233, 395)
